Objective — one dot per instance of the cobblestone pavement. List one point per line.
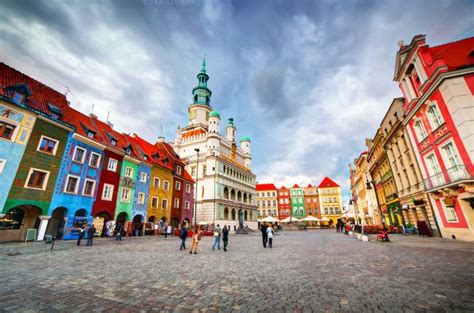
(305, 271)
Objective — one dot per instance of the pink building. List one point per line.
(438, 86)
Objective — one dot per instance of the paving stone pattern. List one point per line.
(308, 271)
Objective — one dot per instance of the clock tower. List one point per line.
(200, 108)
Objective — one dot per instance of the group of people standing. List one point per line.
(82, 232)
(267, 235)
(197, 236)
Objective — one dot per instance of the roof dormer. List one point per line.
(18, 93)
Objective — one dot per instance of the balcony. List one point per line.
(451, 175)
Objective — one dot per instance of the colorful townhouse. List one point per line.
(104, 208)
(182, 187)
(438, 86)
(161, 177)
(297, 201)
(330, 200)
(267, 200)
(142, 184)
(28, 201)
(311, 201)
(78, 178)
(284, 205)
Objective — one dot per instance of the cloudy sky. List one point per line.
(306, 80)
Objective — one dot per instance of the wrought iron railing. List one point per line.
(451, 175)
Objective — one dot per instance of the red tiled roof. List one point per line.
(194, 132)
(83, 123)
(173, 158)
(309, 186)
(41, 94)
(260, 187)
(455, 54)
(327, 182)
(105, 131)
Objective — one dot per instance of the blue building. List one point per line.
(77, 184)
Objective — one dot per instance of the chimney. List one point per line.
(93, 115)
(110, 124)
(160, 139)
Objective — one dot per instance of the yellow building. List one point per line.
(330, 200)
(267, 200)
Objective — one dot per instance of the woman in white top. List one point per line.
(270, 234)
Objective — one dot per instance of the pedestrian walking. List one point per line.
(118, 229)
(165, 229)
(217, 237)
(82, 231)
(270, 234)
(263, 229)
(225, 237)
(196, 238)
(183, 234)
(90, 235)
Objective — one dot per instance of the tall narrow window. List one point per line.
(420, 131)
(433, 164)
(89, 188)
(37, 179)
(72, 182)
(95, 159)
(451, 155)
(79, 155)
(47, 145)
(6, 130)
(434, 116)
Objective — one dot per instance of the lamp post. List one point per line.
(196, 192)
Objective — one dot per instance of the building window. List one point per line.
(112, 166)
(449, 211)
(89, 187)
(186, 205)
(188, 188)
(37, 179)
(79, 155)
(193, 171)
(72, 183)
(3, 162)
(128, 172)
(156, 182)
(179, 170)
(125, 195)
(143, 177)
(176, 203)
(141, 198)
(108, 192)
(6, 130)
(154, 202)
(48, 145)
(95, 160)
(451, 157)
(164, 204)
(166, 185)
(336, 210)
(420, 131)
(434, 116)
(433, 165)
(177, 186)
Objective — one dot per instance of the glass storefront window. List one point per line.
(12, 220)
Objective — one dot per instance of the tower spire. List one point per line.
(202, 94)
(203, 66)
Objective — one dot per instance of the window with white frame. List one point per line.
(166, 185)
(89, 186)
(3, 163)
(164, 204)
(179, 170)
(125, 194)
(37, 179)
(420, 130)
(128, 172)
(141, 198)
(112, 166)
(154, 202)
(108, 192)
(7, 130)
(176, 203)
(94, 160)
(449, 211)
(156, 182)
(188, 188)
(451, 156)
(143, 177)
(433, 166)
(177, 186)
(79, 154)
(186, 205)
(48, 145)
(72, 183)
(434, 116)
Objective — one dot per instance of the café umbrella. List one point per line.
(289, 219)
(270, 219)
(310, 218)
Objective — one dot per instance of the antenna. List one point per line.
(161, 130)
(92, 109)
(68, 90)
(108, 116)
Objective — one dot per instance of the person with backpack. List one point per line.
(217, 237)
(225, 237)
(270, 234)
(183, 234)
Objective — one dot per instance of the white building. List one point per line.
(224, 179)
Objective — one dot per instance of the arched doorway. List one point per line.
(245, 197)
(239, 196)
(56, 223)
(251, 215)
(233, 214)
(137, 225)
(175, 222)
(104, 224)
(232, 194)
(14, 224)
(152, 219)
(226, 193)
(226, 213)
(245, 215)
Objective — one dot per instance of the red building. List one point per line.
(438, 85)
(284, 203)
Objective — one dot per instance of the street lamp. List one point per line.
(196, 192)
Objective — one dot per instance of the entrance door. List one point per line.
(56, 223)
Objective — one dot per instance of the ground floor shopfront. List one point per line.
(417, 208)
